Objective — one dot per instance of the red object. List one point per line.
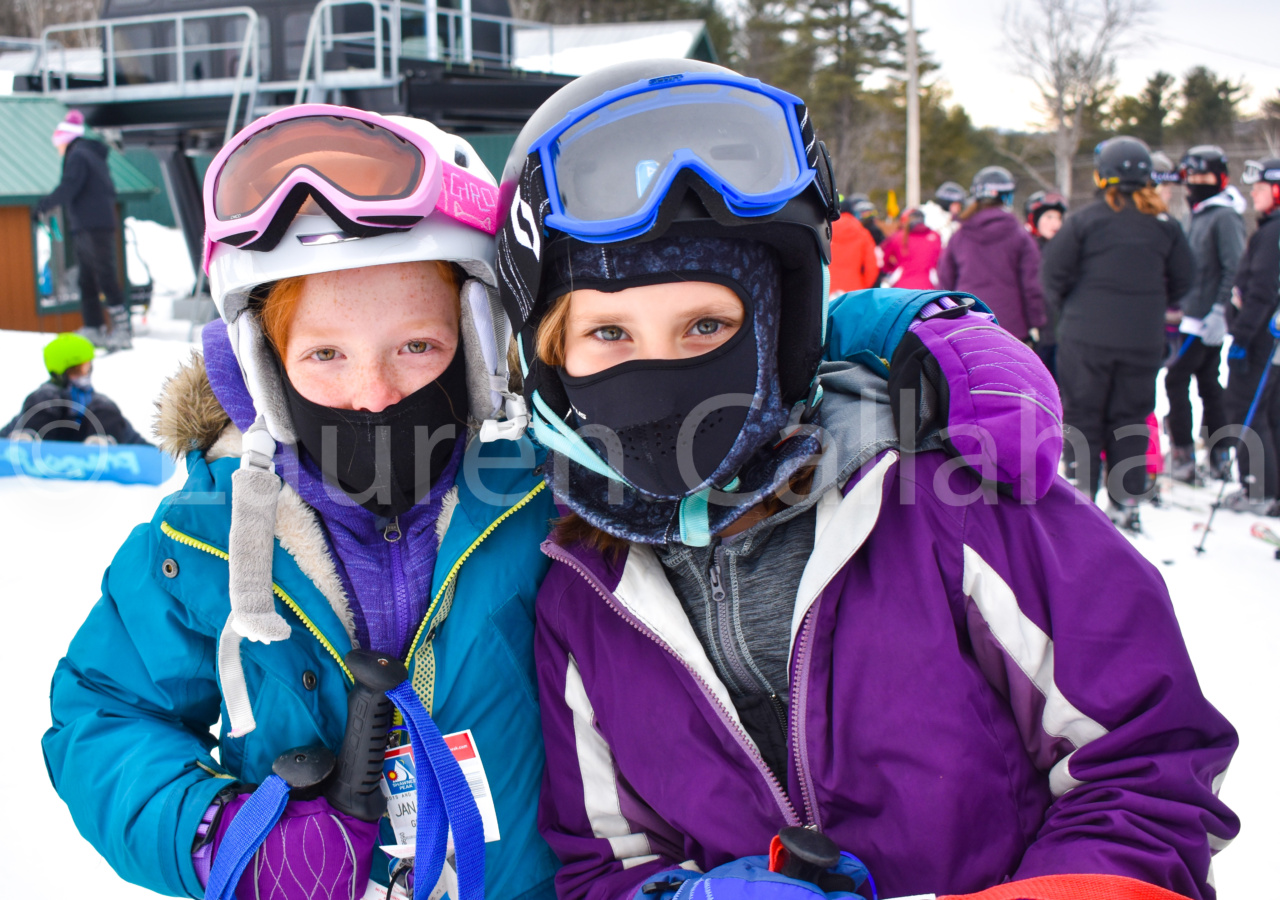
(917, 263)
(854, 266)
(1155, 458)
(1072, 887)
(777, 854)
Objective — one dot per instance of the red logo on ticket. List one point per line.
(460, 746)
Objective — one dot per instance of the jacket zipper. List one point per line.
(453, 571)
(189, 541)
(399, 590)
(799, 702)
(780, 795)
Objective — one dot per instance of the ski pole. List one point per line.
(807, 855)
(1248, 421)
(355, 787)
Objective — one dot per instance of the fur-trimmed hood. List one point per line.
(189, 417)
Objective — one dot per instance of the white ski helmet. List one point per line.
(315, 243)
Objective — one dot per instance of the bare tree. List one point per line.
(1068, 50)
(28, 18)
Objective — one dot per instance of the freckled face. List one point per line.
(366, 338)
(660, 321)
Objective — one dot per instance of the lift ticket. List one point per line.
(399, 784)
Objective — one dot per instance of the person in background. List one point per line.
(1164, 175)
(1253, 305)
(1217, 238)
(88, 197)
(868, 215)
(855, 264)
(993, 257)
(66, 407)
(911, 254)
(1045, 211)
(1112, 271)
(942, 213)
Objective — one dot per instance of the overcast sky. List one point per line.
(1232, 37)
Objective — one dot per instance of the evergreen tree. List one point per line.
(1209, 106)
(1144, 116)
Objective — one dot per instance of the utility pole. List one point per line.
(913, 109)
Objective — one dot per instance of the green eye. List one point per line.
(325, 355)
(610, 333)
(417, 346)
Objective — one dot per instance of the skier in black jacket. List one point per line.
(1217, 240)
(66, 407)
(1112, 272)
(1253, 305)
(88, 196)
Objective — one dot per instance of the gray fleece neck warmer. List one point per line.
(756, 464)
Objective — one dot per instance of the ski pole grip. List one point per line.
(355, 789)
(802, 854)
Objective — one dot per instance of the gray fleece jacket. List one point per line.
(1217, 239)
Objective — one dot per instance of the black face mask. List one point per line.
(386, 461)
(1198, 193)
(646, 403)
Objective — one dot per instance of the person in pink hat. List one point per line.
(88, 198)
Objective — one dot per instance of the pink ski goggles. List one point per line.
(368, 174)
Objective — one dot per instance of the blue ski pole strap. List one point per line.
(444, 801)
(245, 835)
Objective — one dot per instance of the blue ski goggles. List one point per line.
(609, 164)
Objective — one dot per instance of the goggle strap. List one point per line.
(467, 198)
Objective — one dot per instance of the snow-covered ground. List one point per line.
(57, 537)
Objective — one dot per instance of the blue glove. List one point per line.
(749, 878)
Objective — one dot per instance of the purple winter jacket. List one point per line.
(981, 690)
(994, 258)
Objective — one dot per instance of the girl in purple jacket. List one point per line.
(765, 608)
(993, 256)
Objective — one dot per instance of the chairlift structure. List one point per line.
(179, 77)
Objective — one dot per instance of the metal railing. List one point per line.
(401, 30)
(172, 56)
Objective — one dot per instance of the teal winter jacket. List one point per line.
(131, 750)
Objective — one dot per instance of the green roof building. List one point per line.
(35, 292)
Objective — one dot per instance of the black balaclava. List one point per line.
(1198, 193)
(645, 402)
(373, 457)
(734, 447)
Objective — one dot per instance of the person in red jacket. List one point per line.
(911, 254)
(854, 265)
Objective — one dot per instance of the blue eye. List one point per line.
(708, 327)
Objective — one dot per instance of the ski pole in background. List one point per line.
(1272, 360)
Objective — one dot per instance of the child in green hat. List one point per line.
(66, 407)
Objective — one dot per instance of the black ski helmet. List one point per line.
(992, 183)
(800, 231)
(1205, 158)
(1265, 171)
(1123, 162)
(949, 192)
(1040, 203)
